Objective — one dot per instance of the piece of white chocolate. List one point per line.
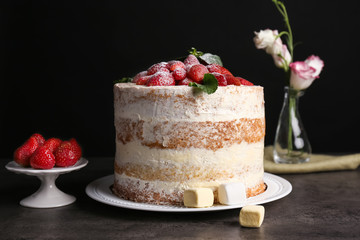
(232, 193)
(252, 216)
(198, 197)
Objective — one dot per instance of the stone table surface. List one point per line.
(320, 206)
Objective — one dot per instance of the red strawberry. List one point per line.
(185, 81)
(175, 65)
(157, 67)
(39, 138)
(191, 60)
(42, 158)
(245, 82)
(139, 75)
(142, 80)
(161, 79)
(76, 147)
(67, 154)
(179, 74)
(231, 80)
(221, 79)
(196, 72)
(52, 144)
(23, 153)
(217, 68)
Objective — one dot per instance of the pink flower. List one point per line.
(304, 73)
(283, 57)
(315, 62)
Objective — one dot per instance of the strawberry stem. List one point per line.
(195, 52)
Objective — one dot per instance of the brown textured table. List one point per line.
(321, 206)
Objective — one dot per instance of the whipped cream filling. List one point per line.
(243, 155)
(243, 162)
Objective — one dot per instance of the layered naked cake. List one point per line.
(171, 138)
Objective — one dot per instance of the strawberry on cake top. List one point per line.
(176, 72)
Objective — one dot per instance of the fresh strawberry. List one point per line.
(52, 143)
(221, 79)
(231, 80)
(245, 82)
(42, 158)
(191, 60)
(185, 81)
(161, 79)
(217, 68)
(67, 154)
(39, 138)
(142, 80)
(179, 74)
(139, 75)
(196, 72)
(76, 148)
(176, 65)
(23, 153)
(158, 67)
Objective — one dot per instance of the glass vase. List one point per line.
(291, 143)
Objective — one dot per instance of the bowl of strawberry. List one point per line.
(47, 159)
(38, 153)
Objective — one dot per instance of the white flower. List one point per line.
(265, 38)
(268, 39)
(276, 47)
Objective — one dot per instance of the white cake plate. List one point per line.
(48, 195)
(100, 190)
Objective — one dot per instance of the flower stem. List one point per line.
(290, 132)
(282, 9)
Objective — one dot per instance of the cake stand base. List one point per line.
(48, 195)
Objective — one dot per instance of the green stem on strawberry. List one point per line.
(195, 52)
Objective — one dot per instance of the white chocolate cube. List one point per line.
(199, 197)
(232, 193)
(252, 216)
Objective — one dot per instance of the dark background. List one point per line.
(58, 60)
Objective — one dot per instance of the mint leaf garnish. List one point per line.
(123, 80)
(210, 84)
(211, 58)
(208, 58)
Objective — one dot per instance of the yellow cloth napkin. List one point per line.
(317, 163)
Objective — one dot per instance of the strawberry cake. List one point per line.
(171, 136)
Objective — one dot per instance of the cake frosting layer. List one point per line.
(174, 103)
(169, 139)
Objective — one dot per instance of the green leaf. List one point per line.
(123, 80)
(195, 52)
(208, 58)
(210, 84)
(211, 58)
